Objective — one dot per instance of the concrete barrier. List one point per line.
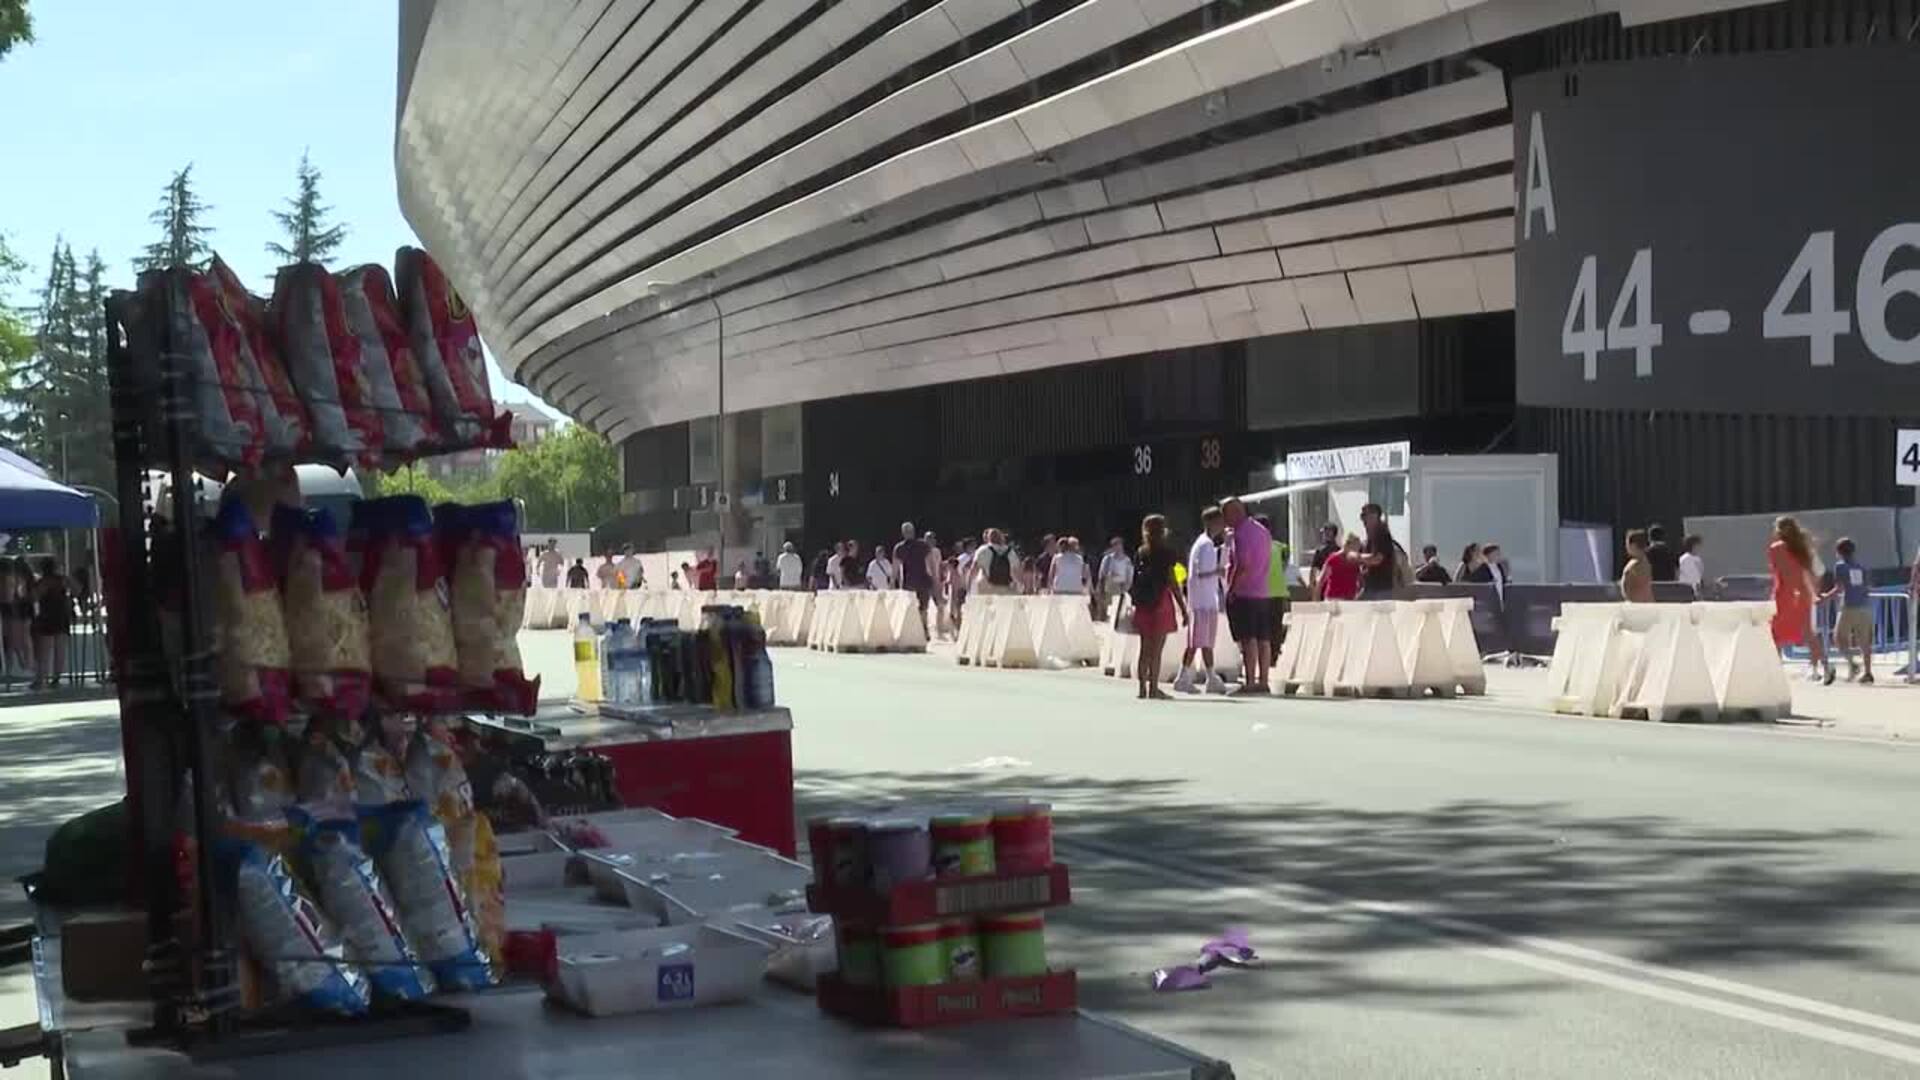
(1395, 648)
(1698, 662)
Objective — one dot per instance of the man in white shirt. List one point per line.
(789, 566)
(1068, 569)
(834, 578)
(551, 563)
(1203, 603)
(1691, 569)
(630, 568)
(1116, 575)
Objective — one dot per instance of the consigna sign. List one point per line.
(1348, 461)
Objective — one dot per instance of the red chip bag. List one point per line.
(410, 628)
(283, 418)
(225, 398)
(487, 575)
(252, 662)
(393, 373)
(326, 613)
(323, 358)
(447, 344)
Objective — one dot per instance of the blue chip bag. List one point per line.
(354, 897)
(414, 858)
(289, 935)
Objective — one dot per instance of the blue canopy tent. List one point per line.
(31, 500)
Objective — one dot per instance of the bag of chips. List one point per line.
(392, 371)
(379, 777)
(436, 775)
(323, 358)
(415, 860)
(251, 630)
(326, 614)
(224, 395)
(410, 628)
(447, 345)
(289, 936)
(352, 894)
(283, 418)
(487, 575)
(325, 780)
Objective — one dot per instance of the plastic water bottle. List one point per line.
(616, 661)
(759, 665)
(586, 660)
(643, 690)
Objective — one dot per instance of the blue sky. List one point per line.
(114, 95)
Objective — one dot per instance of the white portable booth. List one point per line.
(1441, 499)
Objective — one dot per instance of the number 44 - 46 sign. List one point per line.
(1906, 469)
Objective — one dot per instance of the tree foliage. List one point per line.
(181, 216)
(569, 481)
(56, 393)
(16, 25)
(309, 237)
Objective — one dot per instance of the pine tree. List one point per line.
(309, 237)
(16, 354)
(58, 398)
(16, 24)
(180, 216)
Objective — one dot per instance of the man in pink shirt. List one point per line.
(1251, 549)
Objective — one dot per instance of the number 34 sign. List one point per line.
(1906, 469)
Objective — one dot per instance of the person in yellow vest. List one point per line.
(1277, 583)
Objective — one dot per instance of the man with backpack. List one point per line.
(993, 566)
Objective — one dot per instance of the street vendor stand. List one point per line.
(190, 1005)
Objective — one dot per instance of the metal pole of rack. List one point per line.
(199, 690)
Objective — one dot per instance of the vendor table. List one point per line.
(517, 1034)
(731, 767)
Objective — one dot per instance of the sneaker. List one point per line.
(1867, 679)
(1183, 682)
(1828, 680)
(1216, 684)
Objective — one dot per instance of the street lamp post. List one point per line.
(724, 503)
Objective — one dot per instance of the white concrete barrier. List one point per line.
(1371, 662)
(1697, 662)
(1390, 647)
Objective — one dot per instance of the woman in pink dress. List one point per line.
(1790, 557)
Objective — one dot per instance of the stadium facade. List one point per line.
(1059, 262)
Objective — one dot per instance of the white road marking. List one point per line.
(1561, 958)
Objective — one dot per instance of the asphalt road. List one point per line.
(1438, 890)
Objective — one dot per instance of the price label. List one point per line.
(1906, 465)
(676, 982)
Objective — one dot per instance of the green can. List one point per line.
(1014, 945)
(912, 955)
(960, 947)
(859, 955)
(962, 845)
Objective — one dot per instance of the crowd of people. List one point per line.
(36, 618)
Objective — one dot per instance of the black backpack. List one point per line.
(999, 567)
(1147, 583)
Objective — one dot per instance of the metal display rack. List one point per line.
(169, 716)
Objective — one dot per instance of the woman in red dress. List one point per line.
(1790, 557)
(1155, 603)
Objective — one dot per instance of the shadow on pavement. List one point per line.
(1645, 887)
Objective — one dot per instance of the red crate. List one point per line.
(950, 1003)
(944, 898)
